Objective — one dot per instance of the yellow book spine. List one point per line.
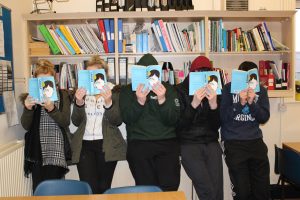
(70, 38)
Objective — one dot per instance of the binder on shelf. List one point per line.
(113, 5)
(144, 5)
(120, 35)
(123, 63)
(130, 5)
(99, 5)
(106, 5)
(157, 5)
(108, 35)
(138, 5)
(121, 5)
(178, 4)
(164, 5)
(112, 36)
(103, 34)
(151, 5)
(171, 5)
(48, 38)
(111, 69)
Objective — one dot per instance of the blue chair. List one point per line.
(133, 189)
(62, 187)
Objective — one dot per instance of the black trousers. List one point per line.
(155, 163)
(249, 169)
(203, 164)
(92, 167)
(41, 173)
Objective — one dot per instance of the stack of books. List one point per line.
(38, 48)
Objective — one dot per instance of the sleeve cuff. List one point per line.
(52, 111)
(108, 107)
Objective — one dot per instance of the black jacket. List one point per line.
(198, 125)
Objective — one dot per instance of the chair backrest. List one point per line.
(291, 166)
(133, 189)
(278, 160)
(62, 187)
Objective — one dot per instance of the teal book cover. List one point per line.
(241, 80)
(145, 75)
(43, 88)
(92, 80)
(198, 80)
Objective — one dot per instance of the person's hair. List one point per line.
(98, 62)
(253, 76)
(98, 76)
(154, 72)
(48, 83)
(213, 77)
(247, 65)
(44, 66)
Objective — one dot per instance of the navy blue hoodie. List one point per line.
(242, 122)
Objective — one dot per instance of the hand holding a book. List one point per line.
(29, 102)
(79, 95)
(198, 97)
(141, 94)
(48, 104)
(160, 90)
(251, 96)
(243, 97)
(211, 96)
(106, 94)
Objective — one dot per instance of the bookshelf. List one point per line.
(280, 23)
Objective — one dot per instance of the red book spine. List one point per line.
(103, 35)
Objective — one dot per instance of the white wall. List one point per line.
(281, 126)
(18, 36)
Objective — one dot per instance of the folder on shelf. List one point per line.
(144, 5)
(129, 5)
(151, 5)
(103, 34)
(113, 5)
(99, 5)
(65, 41)
(123, 61)
(48, 38)
(106, 5)
(138, 5)
(111, 68)
(171, 4)
(145, 39)
(164, 5)
(112, 36)
(70, 38)
(108, 35)
(120, 35)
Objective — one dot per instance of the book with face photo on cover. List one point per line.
(241, 80)
(43, 88)
(148, 76)
(201, 79)
(92, 80)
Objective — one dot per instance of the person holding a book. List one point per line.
(201, 153)
(97, 144)
(244, 148)
(151, 118)
(47, 147)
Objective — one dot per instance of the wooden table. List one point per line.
(135, 196)
(294, 146)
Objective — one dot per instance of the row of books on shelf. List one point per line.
(256, 39)
(143, 5)
(82, 39)
(171, 39)
(86, 39)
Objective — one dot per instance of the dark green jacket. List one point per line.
(151, 121)
(114, 146)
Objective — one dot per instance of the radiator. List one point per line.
(12, 180)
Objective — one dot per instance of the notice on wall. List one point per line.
(2, 50)
(6, 76)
